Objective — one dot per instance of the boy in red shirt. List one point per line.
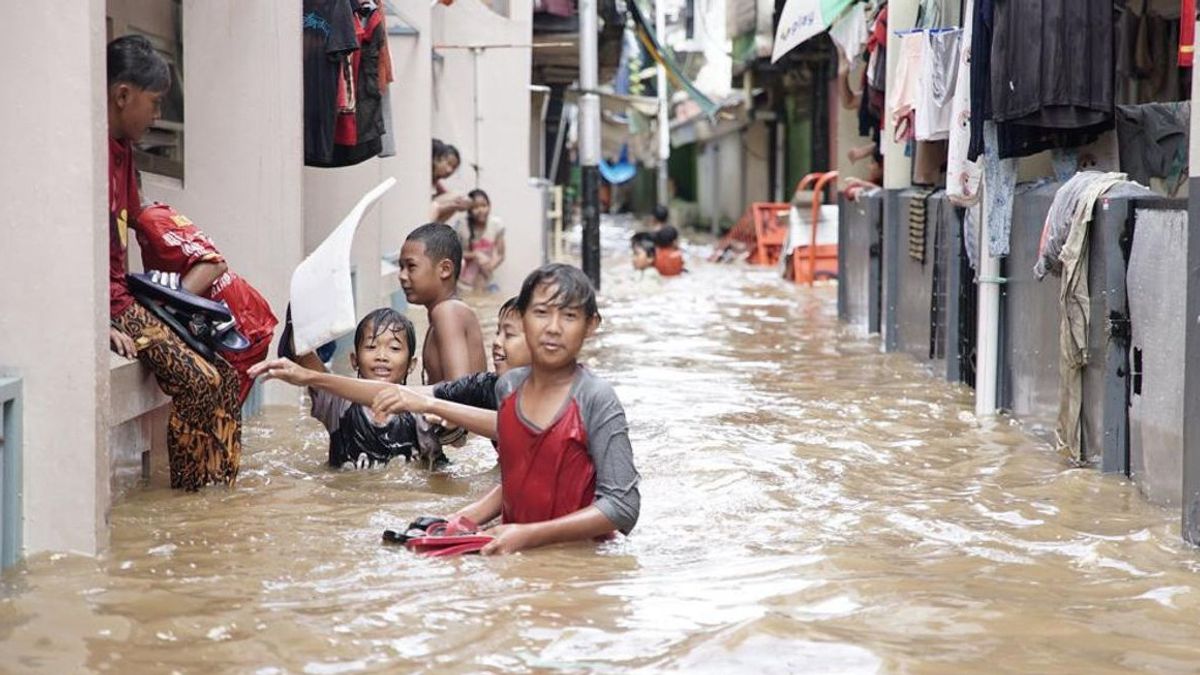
(566, 464)
(172, 243)
(204, 433)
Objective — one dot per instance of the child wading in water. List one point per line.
(566, 465)
(483, 244)
(384, 343)
(508, 351)
(430, 263)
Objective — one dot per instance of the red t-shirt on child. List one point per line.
(582, 458)
(124, 204)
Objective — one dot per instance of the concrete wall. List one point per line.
(54, 266)
(504, 108)
(243, 151)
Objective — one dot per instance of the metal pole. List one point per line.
(1191, 350)
(589, 139)
(664, 118)
(987, 333)
(475, 52)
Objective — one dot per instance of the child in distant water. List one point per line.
(642, 247)
(668, 259)
(384, 343)
(566, 464)
(508, 351)
(483, 244)
(662, 216)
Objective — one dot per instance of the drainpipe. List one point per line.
(987, 353)
(589, 138)
(475, 52)
(1191, 354)
(664, 121)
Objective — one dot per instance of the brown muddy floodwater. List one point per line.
(809, 505)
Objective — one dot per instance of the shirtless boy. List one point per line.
(430, 262)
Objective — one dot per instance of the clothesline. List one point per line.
(539, 45)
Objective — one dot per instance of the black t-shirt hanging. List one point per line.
(368, 113)
(328, 35)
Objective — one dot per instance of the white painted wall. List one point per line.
(54, 265)
(504, 105)
(244, 142)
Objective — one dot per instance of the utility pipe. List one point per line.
(987, 330)
(589, 138)
(664, 122)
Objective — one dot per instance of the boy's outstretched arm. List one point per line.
(396, 398)
(586, 523)
(350, 388)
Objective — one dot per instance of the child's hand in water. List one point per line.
(508, 538)
(398, 399)
(281, 369)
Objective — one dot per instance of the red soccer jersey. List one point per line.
(545, 474)
(123, 207)
(172, 243)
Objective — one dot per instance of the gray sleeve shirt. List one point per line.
(617, 479)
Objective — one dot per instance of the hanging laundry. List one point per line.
(359, 131)
(386, 77)
(1051, 73)
(874, 79)
(981, 74)
(849, 32)
(902, 100)
(328, 36)
(962, 174)
(1065, 249)
(1000, 185)
(1153, 141)
(939, 73)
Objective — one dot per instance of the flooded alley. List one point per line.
(810, 504)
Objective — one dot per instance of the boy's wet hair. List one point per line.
(383, 320)
(573, 288)
(643, 241)
(133, 60)
(441, 243)
(510, 305)
(661, 214)
(666, 236)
